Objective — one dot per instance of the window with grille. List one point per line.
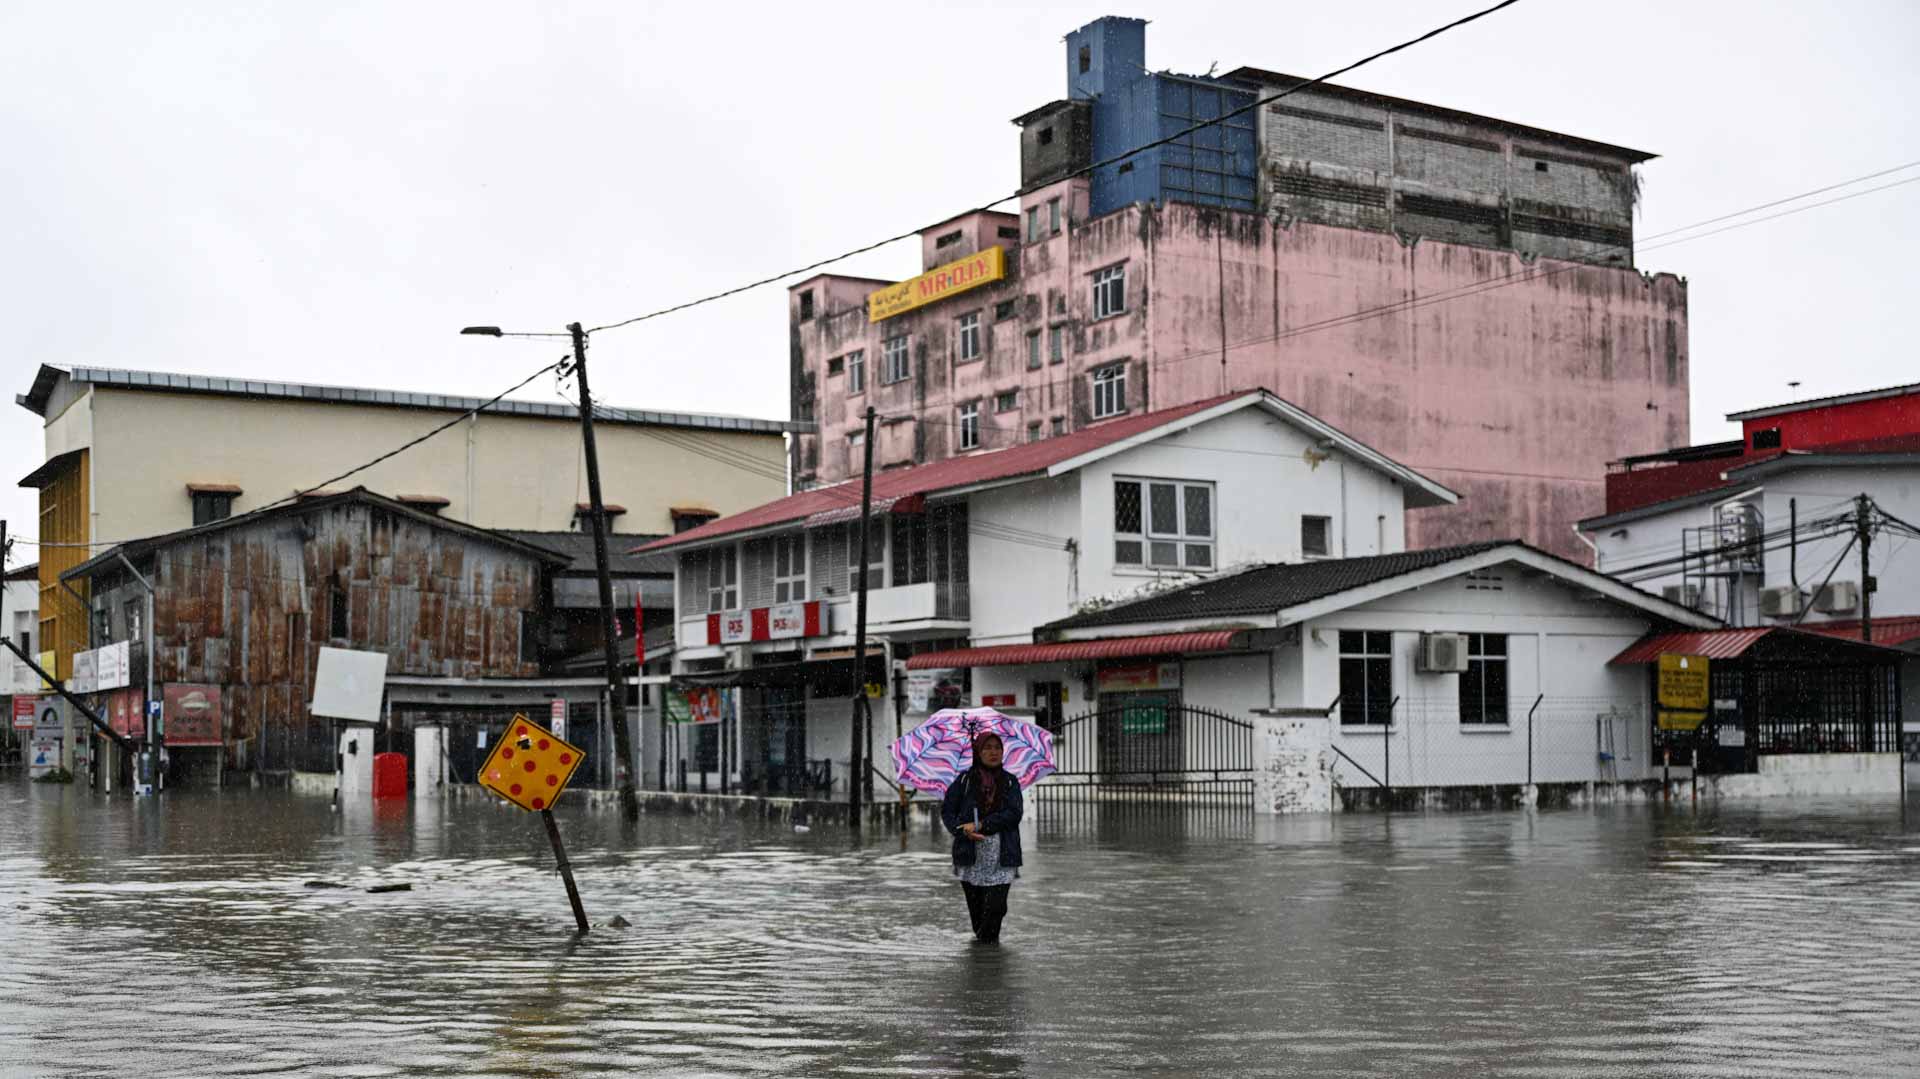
(789, 568)
(723, 579)
(211, 506)
(1056, 344)
(1004, 310)
(898, 365)
(1366, 678)
(1314, 536)
(1163, 524)
(876, 554)
(1033, 350)
(1033, 431)
(970, 336)
(969, 426)
(1483, 685)
(1006, 401)
(1110, 390)
(857, 371)
(1109, 291)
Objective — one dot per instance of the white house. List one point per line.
(977, 550)
(1486, 664)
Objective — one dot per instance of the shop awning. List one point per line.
(1007, 655)
(1735, 643)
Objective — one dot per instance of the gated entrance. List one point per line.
(1148, 747)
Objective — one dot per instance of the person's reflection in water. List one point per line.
(990, 987)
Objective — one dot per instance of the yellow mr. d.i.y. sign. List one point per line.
(530, 766)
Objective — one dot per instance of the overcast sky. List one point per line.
(328, 192)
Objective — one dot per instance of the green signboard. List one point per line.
(1144, 719)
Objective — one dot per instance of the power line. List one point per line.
(864, 248)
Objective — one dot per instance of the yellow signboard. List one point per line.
(530, 766)
(1683, 684)
(978, 269)
(1682, 721)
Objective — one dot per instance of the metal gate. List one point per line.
(1152, 749)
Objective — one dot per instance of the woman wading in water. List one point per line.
(982, 809)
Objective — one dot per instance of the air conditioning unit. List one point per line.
(1837, 597)
(1686, 595)
(1782, 602)
(1443, 653)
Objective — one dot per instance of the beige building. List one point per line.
(138, 453)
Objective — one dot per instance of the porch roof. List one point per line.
(1777, 642)
(1007, 655)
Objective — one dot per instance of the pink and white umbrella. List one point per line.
(929, 757)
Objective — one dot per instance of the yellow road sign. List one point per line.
(1684, 683)
(530, 765)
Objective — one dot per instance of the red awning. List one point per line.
(1734, 643)
(1006, 655)
(1888, 631)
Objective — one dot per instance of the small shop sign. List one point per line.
(1683, 692)
(780, 622)
(25, 708)
(1137, 676)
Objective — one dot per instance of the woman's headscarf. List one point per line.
(988, 778)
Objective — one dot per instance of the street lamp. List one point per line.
(616, 693)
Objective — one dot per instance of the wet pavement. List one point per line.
(181, 939)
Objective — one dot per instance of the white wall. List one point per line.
(1826, 491)
(1558, 646)
(1657, 539)
(1016, 585)
(19, 613)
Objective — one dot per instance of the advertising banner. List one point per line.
(942, 687)
(699, 704)
(25, 708)
(85, 677)
(113, 665)
(937, 284)
(1137, 676)
(44, 757)
(193, 715)
(127, 713)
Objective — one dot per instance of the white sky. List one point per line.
(328, 192)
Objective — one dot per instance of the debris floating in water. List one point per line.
(619, 923)
(391, 888)
(325, 884)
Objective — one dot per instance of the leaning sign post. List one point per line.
(530, 767)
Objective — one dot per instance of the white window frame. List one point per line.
(857, 371)
(1151, 545)
(1326, 536)
(969, 336)
(723, 579)
(1109, 390)
(790, 586)
(899, 359)
(1033, 224)
(1110, 292)
(970, 425)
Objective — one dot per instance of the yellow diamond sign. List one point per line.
(530, 766)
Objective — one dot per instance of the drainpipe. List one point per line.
(152, 753)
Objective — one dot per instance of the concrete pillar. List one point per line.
(1293, 764)
(429, 760)
(356, 765)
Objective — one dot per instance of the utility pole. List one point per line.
(616, 691)
(862, 716)
(1863, 528)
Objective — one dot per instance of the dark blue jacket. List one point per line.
(963, 799)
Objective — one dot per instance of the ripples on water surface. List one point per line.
(180, 939)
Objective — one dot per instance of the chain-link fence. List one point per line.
(1551, 740)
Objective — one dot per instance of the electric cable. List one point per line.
(1085, 170)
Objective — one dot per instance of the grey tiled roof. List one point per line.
(578, 549)
(1273, 587)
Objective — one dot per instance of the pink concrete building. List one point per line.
(1454, 290)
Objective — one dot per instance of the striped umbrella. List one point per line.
(929, 757)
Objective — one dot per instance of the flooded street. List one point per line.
(181, 938)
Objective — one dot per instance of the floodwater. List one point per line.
(180, 938)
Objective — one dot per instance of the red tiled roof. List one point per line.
(1006, 655)
(1888, 631)
(1025, 459)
